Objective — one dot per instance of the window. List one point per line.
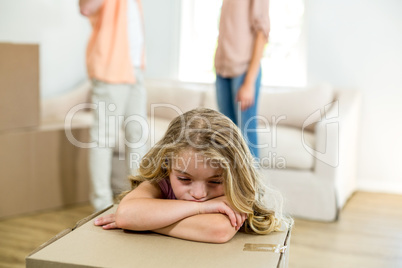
(283, 63)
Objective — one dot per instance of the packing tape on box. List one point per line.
(276, 248)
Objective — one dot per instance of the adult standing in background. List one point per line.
(243, 32)
(115, 60)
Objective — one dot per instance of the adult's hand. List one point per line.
(245, 96)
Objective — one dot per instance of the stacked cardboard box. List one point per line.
(40, 168)
(19, 86)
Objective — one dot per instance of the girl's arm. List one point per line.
(246, 92)
(211, 228)
(142, 209)
(90, 7)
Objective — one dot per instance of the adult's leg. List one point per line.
(224, 96)
(247, 119)
(136, 125)
(108, 99)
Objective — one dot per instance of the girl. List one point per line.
(197, 183)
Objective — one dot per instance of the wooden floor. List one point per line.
(368, 234)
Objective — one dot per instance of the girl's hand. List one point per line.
(107, 222)
(245, 96)
(221, 205)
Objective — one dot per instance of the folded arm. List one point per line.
(142, 209)
(212, 228)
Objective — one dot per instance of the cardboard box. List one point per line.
(41, 169)
(19, 85)
(87, 245)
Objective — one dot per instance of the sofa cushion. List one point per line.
(168, 99)
(156, 129)
(293, 107)
(283, 148)
(210, 98)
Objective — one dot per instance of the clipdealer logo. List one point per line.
(326, 146)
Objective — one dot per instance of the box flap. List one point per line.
(68, 230)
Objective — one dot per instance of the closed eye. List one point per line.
(216, 182)
(184, 179)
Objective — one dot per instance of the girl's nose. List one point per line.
(198, 191)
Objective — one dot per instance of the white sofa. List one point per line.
(308, 138)
(321, 172)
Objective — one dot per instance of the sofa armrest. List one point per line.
(336, 143)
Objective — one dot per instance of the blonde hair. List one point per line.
(216, 137)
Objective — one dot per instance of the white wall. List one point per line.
(162, 38)
(358, 44)
(61, 32)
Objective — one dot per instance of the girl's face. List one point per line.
(195, 178)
